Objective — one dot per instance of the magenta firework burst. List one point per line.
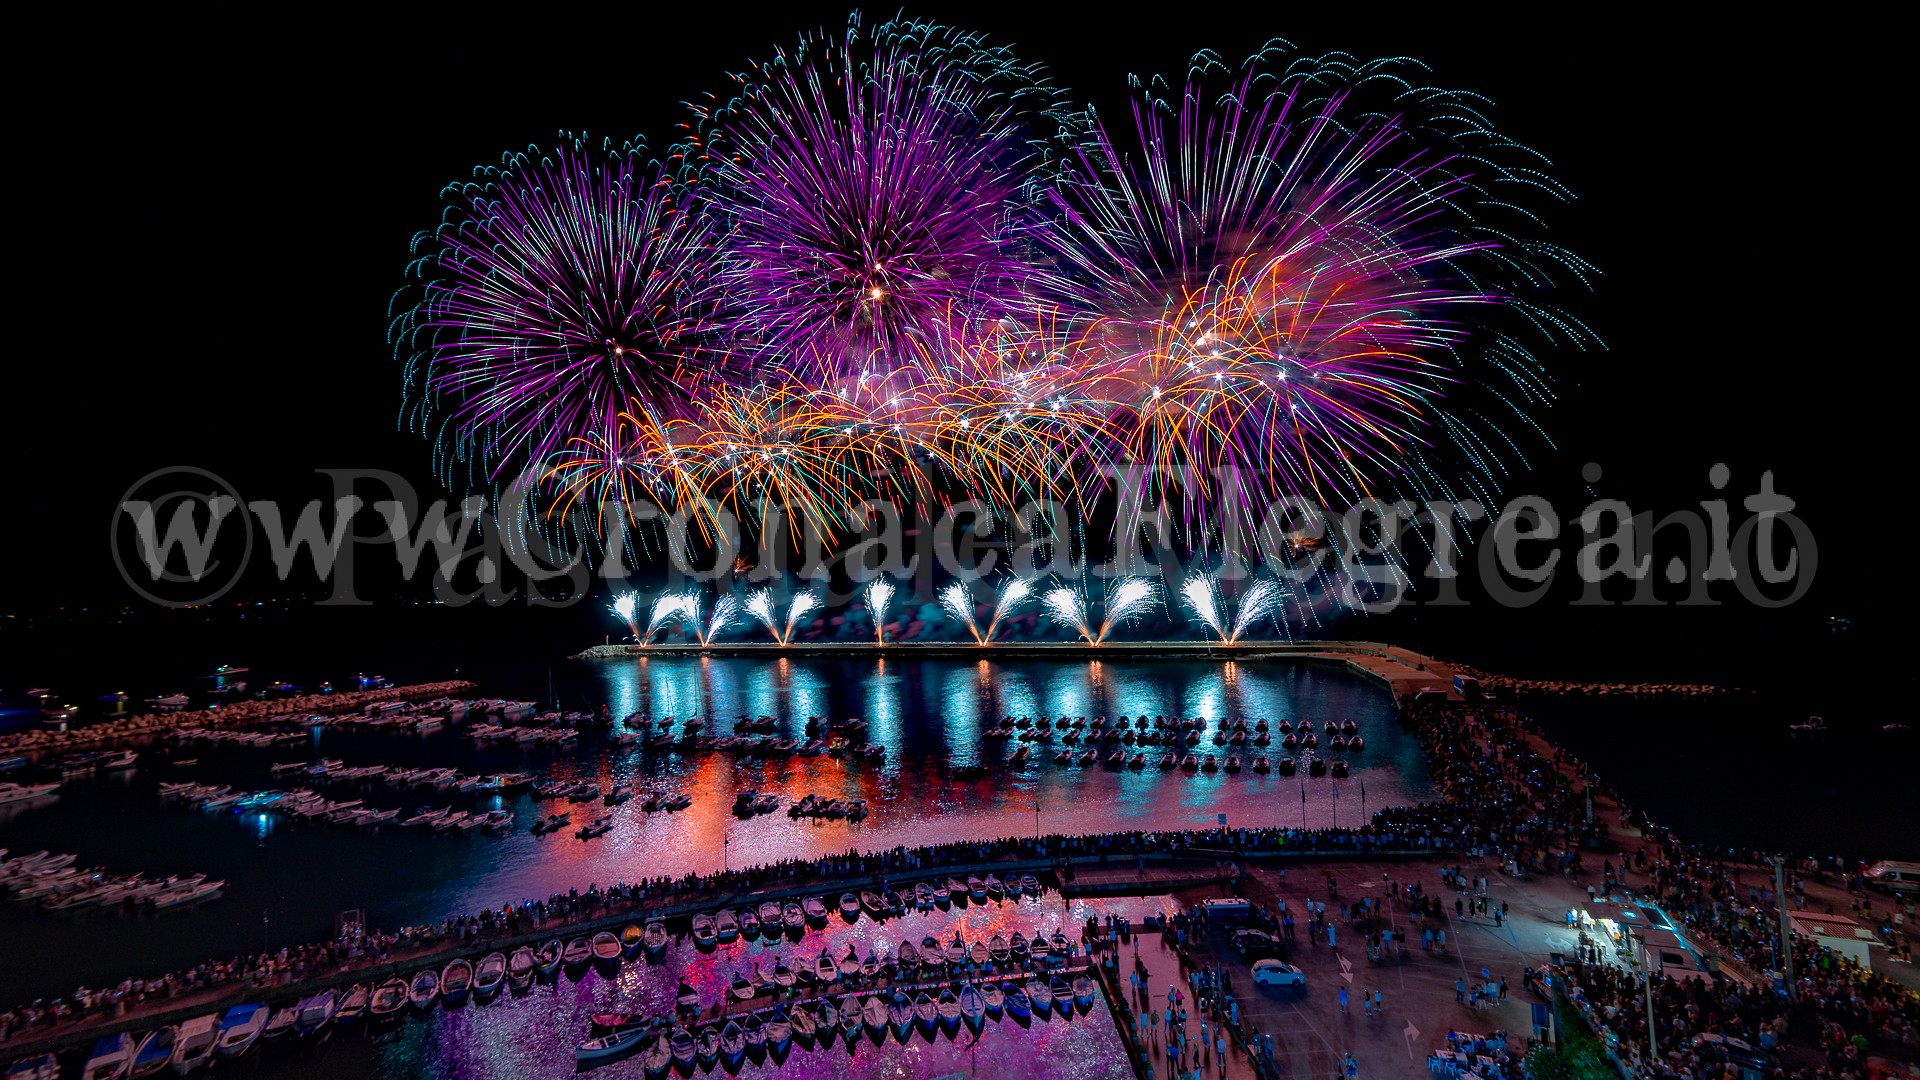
(559, 290)
(870, 187)
(1298, 261)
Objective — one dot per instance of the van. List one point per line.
(1227, 910)
(1897, 877)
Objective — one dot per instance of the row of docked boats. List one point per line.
(56, 884)
(748, 803)
(94, 762)
(1173, 760)
(898, 1014)
(309, 805)
(182, 1048)
(816, 806)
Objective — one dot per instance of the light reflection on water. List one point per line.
(289, 880)
(535, 1036)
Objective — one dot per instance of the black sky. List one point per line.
(221, 221)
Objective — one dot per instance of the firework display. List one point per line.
(879, 596)
(626, 607)
(895, 263)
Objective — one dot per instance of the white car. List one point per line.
(1277, 973)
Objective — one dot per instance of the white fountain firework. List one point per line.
(879, 595)
(1255, 604)
(1203, 598)
(724, 612)
(1064, 606)
(1017, 592)
(664, 608)
(625, 607)
(1128, 597)
(801, 605)
(760, 606)
(957, 599)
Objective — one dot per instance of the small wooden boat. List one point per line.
(1062, 995)
(803, 1024)
(741, 989)
(489, 975)
(993, 997)
(726, 925)
(1083, 991)
(850, 1020)
(733, 1045)
(609, 1046)
(825, 970)
(606, 948)
(1041, 997)
(423, 989)
(546, 958)
(684, 1049)
(455, 980)
(521, 967)
(814, 908)
(577, 953)
(948, 1007)
(779, 1032)
(387, 1000)
(997, 948)
(654, 938)
(874, 1015)
(926, 1015)
(631, 939)
(314, 1013)
(769, 917)
(850, 907)
(1018, 1005)
(353, 1004)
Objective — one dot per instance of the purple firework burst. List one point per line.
(871, 187)
(558, 290)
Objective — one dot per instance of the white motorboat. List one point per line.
(11, 792)
(110, 1058)
(239, 1028)
(193, 1043)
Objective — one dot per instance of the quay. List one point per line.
(1079, 875)
(240, 714)
(1402, 671)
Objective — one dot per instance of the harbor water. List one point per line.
(290, 880)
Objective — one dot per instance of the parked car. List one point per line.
(1739, 1053)
(1277, 973)
(1258, 943)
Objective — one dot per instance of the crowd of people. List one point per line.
(1504, 795)
(1538, 820)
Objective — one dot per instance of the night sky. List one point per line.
(219, 229)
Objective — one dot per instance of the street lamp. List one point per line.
(1646, 972)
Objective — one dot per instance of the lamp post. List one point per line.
(1786, 931)
(1646, 971)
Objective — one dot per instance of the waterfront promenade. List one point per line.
(1078, 875)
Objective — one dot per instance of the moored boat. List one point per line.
(238, 1029)
(489, 975)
